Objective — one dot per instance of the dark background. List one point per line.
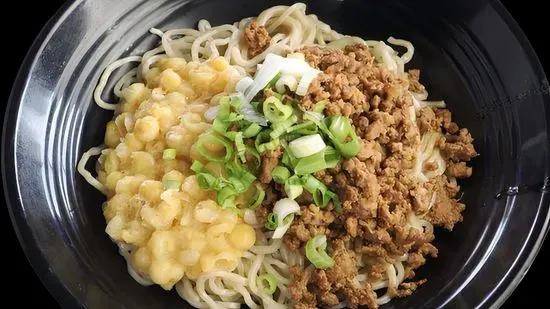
(18, 274)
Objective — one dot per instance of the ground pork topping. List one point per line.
(388, 213)
(257, 38)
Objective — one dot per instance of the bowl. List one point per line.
(471, 53)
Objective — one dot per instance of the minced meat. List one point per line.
(387, 211)
(257, 38)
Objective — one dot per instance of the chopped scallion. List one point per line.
(241, 147)
(271, 221)
(280, 174)
(342, 135)
(279, 128)
(267, 284)
(316, 252)
(293, 187)
(210, 141)
(306, 146)
(252, 130)
(304, 128)
(275, 111)
(264, 142)
(258, 198)
(169, 154)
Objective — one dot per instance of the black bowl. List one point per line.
(471, 53)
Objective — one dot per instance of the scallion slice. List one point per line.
(321, 194)
(169, 154)
(316, 252)
(304, 128)
(241, 147)
(221, 123)
(258, 198)
(280, 174)
(293, 187)
(252, 130)
(289, 159)
(226, 197)
(279, 128)
(271, 221)
(342, 135)
(275, 111)
(273, 81)
(267, 284)
(310, 164)
(264, 142)
(211, 140)
(306, 146)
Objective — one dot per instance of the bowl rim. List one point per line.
(34, 256)
(13, 199)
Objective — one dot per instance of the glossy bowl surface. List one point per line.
(471, 53)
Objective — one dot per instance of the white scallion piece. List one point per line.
(283, 208)
(307, 145)
(286, 81)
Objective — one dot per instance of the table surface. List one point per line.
(19, 36)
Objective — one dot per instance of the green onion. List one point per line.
(252, 130)
(311, 164)
(211, 139)
(342, 135)
(253, 165)
(239, 178)
(319, 107)
(239, 212)
(304, 128)
(241, 147)
(273, 81)
(293, 187)
(271, 222)
(226, 197)
(230, 135)
(321, 194)
(208, 181)
(306, 146)
(316, 252)
(289, 137)
(289, 159)
(234, 117)
(236, 102)
(280, 174)
(169, 154)
(267, 284)
(221, 122)
(258, 198)
(197, 166)
(279, 128)
(264, 142)
(275, 111)
(229, 204)
(332, 157)
(288, 219)
(171, 184)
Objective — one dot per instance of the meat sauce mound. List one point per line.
(380, 197)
